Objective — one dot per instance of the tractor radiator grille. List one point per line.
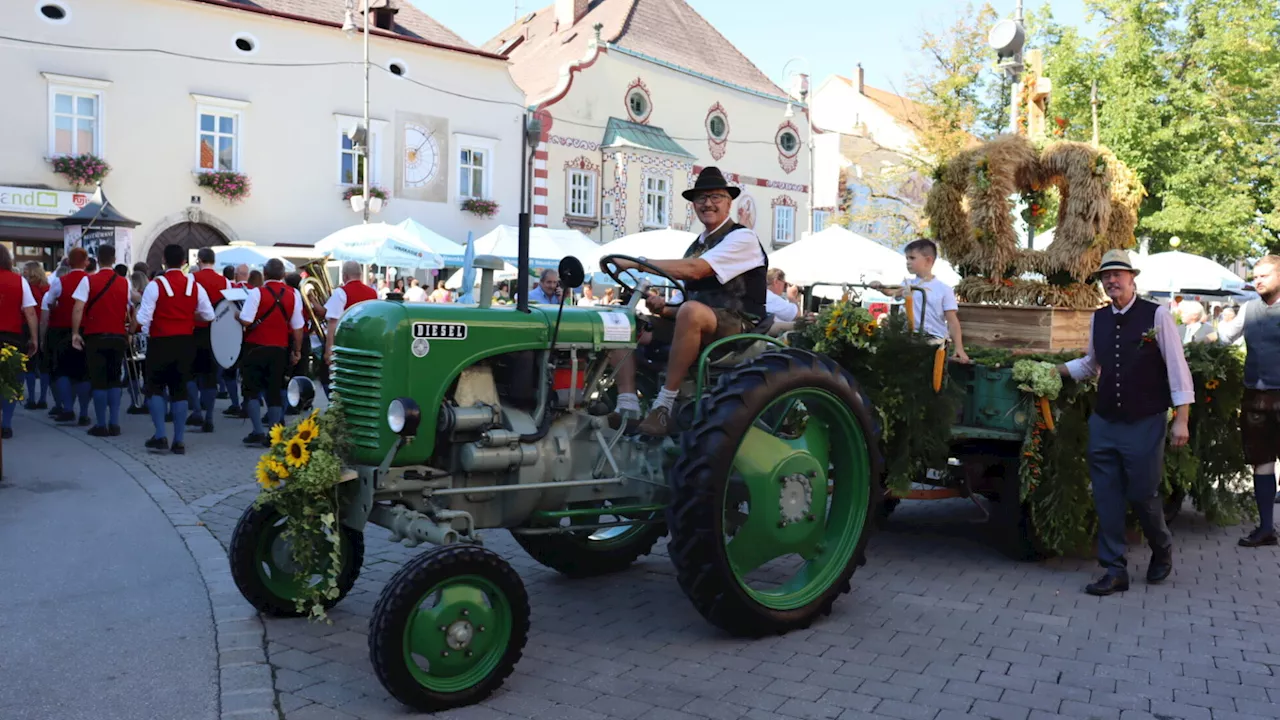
(357, 378)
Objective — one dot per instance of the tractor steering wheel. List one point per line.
(609, 266)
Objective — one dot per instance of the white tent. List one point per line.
(546, 246)
(837, 255)
(1176, 271)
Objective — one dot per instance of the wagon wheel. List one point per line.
(587, 553)
(768, 526)
(263, 568)
(449, 628)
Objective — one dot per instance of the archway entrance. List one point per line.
(190, 235)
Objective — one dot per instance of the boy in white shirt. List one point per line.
(941, 320)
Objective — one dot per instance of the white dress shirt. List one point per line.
(1168, 337)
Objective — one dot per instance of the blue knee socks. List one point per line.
(100, 408)
(113, 405)
(254, 409)
(179, 420)
(6, 419)
(1264, 491)
(158, 405)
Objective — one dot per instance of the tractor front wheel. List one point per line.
(775, 493)
(263, 568)
(449, 628)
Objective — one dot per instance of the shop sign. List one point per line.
(41, 202)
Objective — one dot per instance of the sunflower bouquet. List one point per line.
(299, 476)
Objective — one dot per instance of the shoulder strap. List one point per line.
(94, 300)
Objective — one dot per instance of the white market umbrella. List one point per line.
(837, 255)
(1177, 271)
(380, 244)
(546, 246)
(251, 255)
(450, 251)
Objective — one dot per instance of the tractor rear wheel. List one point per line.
(263, 569)
(587, 553)
(449, 628)
(769, 522)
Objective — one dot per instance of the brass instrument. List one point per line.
(315, 289)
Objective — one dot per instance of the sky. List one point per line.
(831, 35)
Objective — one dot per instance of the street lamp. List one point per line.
(790, 113)
(349, 28)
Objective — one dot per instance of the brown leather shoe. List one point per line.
(657, 423)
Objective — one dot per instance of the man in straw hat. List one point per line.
(1259, 322)
(1135, 349)
(725, 272)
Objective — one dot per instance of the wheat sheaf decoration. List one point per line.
(970, 214)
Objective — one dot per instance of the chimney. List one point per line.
(569, 12)
(857, 78)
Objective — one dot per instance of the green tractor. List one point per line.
(466, 418)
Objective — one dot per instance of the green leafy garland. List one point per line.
(299, 477)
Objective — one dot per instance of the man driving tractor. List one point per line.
(725, 277)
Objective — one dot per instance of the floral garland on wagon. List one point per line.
(299, 476)
(893, 365)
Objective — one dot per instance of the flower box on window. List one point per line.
(229, 185)
(477, 206)
(81, 170)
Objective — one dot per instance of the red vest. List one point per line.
(11, 317)
(273, 325)
(60, 316)
(358, 292)
(175, 305)
(213, 283)
(111, 311)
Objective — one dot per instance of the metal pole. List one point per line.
(368, 132)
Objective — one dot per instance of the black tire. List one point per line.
(245, 569)
(1013, 527)
(399, 603)
(576, 555)
(699, 478)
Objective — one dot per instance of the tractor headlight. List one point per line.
(301, 392)
(403, 416)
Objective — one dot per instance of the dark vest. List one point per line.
(746, 293)
(1262, 340)
(1134, 382)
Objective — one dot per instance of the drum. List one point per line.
(226, 334)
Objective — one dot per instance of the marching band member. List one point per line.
(170, 306)
(204, 369)
(351, 292)
(17, 310)
(271, 314)
(102, 312)
(38, 366)
(70, 375)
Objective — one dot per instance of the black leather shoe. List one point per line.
(1108, 584)
(1259, 537)
(1160, 567)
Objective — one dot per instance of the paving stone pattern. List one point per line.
(938, 626)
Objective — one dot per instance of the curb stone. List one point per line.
(246, 680)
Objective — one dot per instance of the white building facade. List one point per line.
(631, 113)
(167, 90)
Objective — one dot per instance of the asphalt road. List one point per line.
(103, 613)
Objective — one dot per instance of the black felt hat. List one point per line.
(711, 179)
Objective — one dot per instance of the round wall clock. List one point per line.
(421, 155)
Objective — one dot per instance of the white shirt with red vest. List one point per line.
(213, 283)
(15, 296)
(341, 299)
(101, 319)
(271, 330)
(171, 304)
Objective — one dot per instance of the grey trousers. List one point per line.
(1126, 464)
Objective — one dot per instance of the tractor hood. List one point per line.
(386, 349)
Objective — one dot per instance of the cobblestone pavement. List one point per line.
(938, 626)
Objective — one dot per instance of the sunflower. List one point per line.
(307, 430)
(277, 434)
(296, 453)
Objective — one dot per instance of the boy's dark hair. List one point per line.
(924, 246)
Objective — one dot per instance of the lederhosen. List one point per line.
(262, 367)
(104, 352)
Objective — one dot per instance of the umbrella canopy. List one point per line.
(839, 255)
(450, 251)
(253, 256)
(1174, 271)
(380, 244)
(546, 246)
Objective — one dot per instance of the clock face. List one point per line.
(421, 156)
